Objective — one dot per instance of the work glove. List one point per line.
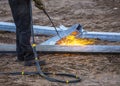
(39, 4)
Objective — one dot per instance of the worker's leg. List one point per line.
(21, 14)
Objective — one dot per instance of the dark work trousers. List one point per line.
(21, 14)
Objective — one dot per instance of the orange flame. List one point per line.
(72, 40)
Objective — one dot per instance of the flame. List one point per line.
(72, 40)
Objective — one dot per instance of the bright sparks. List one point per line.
(72, 40)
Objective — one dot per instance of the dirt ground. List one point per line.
(94, 69)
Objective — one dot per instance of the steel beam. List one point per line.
(38, 30)
(66, 49)
(109, 36)
(45, 30)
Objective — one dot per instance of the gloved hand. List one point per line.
(39, 4)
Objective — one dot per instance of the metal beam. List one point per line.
(109, 36)
(67, 49)
(45, 30)
(53, 40)
(38, 30)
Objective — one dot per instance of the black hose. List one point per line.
(77, 79)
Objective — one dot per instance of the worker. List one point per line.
(22, 18)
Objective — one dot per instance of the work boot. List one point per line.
(32, 63)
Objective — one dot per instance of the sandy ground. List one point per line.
(94, 69)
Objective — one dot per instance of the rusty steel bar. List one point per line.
(67, 49)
